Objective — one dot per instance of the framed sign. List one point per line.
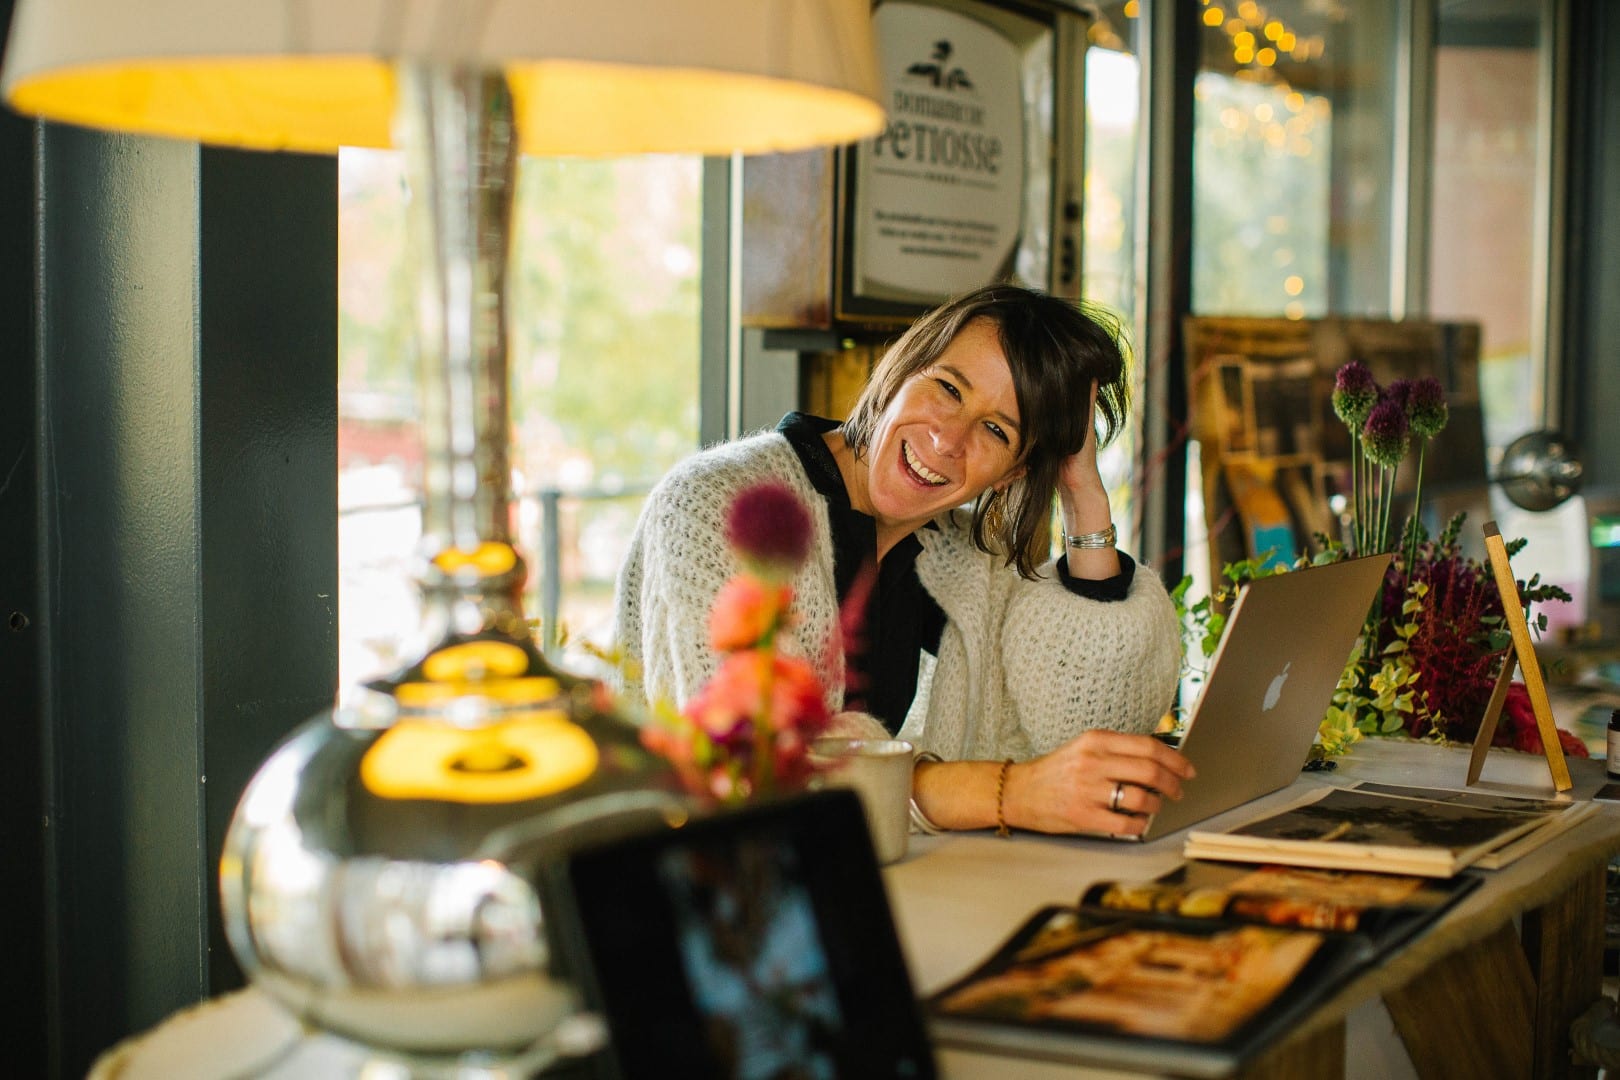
(958, 190)
(1522, 652)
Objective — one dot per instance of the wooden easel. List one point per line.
(1524, 653)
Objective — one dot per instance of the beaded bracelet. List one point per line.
(1001, 794)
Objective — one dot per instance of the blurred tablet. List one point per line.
(755, 944)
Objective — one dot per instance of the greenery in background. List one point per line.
(1425, 664)
(605, 334)
(376, 335)
(604, 339)
(604, 311)
(1251, 254)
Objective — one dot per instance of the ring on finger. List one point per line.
(1119, 794)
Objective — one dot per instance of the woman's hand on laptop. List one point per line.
(1099, 782)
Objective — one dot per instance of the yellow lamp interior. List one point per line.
(478, 660)
(529, 756)
(564, 108)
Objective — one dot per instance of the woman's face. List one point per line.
(950, 432)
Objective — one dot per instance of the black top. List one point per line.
(901, 619)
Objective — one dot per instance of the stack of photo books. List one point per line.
(1194, 973)
(1400, 830)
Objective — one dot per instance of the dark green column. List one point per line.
(169, 389)
(22, 976)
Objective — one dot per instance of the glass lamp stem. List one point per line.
(456, 125)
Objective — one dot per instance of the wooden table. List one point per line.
(1489, 990)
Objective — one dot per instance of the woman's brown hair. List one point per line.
(1056, 350)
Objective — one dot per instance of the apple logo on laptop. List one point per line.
(1274, 691)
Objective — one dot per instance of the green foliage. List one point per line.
(603, 318)
(1379, 689)
(605, 331)
(1206, 617)
(1426, 659)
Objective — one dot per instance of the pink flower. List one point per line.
(676, 747)
(746, 612)
(770, 528)
(737, 695)
(747, 732)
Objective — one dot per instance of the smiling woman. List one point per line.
(948, 435)
(921, 604)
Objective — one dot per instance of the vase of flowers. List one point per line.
(1426, 662)
(746, 734)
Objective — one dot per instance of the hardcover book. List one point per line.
(1194, 973)
(1392, 829)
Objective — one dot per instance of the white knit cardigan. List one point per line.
(1023, 666)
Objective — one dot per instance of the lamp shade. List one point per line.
(614, 76)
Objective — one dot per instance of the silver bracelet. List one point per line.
(1092, 541)
(919, 820)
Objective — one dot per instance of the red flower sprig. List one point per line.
(747, 732)
(1456, 649)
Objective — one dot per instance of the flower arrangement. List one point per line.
(1381, 423)
(1426, 663)
(747, 732)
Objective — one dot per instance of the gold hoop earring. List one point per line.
(995, 516)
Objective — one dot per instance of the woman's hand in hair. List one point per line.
(1084, 501)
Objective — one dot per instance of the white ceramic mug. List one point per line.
(879, 771)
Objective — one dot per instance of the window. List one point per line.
(1269, 135)
(1260, 197)
(604, 360)
(1490, 207)
(1294, 172)
(1108, 252)
(1484, 198)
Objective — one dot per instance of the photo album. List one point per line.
(1399, 830)
(1196, 972)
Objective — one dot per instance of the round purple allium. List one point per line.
(770, 526)
(1400, 392)
(1387, 434)
(1426, 408)
(1354, 394)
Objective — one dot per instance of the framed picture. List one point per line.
(961, 188)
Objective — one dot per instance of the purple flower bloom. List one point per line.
(1386, 434)
(1400, 392)
(770, 527)
(1426, 408)
(1354, 394)
(1354, 377)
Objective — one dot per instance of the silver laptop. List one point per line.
(1272, 679)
